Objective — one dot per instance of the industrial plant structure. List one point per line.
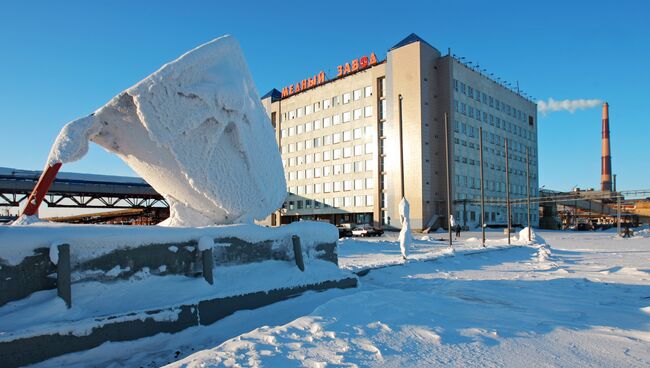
(353, 144)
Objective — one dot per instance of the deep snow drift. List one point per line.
(197, 132)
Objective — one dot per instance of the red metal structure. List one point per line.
(39, 192)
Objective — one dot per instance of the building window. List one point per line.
(381, 82)
(347, 136)
(346, 98)
(370, 183)
(370, 164)
(357, 114)
(367, 91)
(358, 133)
(347, 116)
(356, 95)
(367, 111)
(336, 138)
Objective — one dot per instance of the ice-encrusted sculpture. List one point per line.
(197, 132)
(405, 236)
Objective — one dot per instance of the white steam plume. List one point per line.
(571, 106)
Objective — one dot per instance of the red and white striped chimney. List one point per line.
(606, 160)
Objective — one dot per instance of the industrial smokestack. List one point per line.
(606, 160)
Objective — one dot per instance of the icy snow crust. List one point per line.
(197, 132)
(91, 241)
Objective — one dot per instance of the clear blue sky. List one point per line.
(62, 60)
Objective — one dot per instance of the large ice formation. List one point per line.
(197, 132)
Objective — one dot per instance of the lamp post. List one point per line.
(528, 190)
(448, 178)
(480, 133)
(508, 188)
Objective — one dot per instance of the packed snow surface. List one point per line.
(197, 132)
(585, 303)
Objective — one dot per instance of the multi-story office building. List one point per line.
(354, 144)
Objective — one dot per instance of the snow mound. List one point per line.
(543, 253)
(197, 132)
(523, 235)
(643, 233)
(23, 220)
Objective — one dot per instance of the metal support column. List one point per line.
(449, 213)
(618, 213)
(508, 189)
(480, 133)
(401, 147)
(528, 190)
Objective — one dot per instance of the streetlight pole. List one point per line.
(528, 190)
(401, 147)
(508, 188)
(480, 133)
(618, 213)
(448, 178)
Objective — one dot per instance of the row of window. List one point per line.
(333, 187)
(494, 121)
(491, 165)
(470, 130)
(518, 218)
(351, 201)
(464, 181)
(335, 154)
(488, 100)
(327, 103)
(325, 171)
(327, 121)
(334, 138)
(499, 150)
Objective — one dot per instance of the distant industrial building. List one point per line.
(354, 143)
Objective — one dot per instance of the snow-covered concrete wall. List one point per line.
(106, 253)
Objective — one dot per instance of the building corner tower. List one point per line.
(606, 160)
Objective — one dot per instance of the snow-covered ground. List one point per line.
(581, 300)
